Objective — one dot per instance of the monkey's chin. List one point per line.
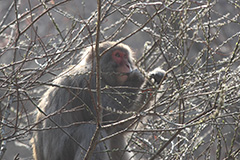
(122, 79)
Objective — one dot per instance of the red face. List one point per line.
(124, 66)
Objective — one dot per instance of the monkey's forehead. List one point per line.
(109, 51)
(106, 48)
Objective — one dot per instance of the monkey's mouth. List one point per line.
(128, 66)
(126, 69)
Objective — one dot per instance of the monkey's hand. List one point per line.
(135, 78)
(157, 75)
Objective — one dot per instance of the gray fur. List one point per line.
(71, 106)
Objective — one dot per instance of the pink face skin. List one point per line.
(124, 65)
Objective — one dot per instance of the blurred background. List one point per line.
(196, 113)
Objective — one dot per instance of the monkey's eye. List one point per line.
(117, 54)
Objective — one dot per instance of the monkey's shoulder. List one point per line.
(74, 73)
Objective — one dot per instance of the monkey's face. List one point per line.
(123, 65)
(117, 65)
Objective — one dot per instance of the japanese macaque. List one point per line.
(67, 119)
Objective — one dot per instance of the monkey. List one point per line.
(66, 122)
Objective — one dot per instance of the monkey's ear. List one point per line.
(157, 75)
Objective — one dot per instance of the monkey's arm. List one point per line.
(135, 79)
(151, 83)
(139, 90)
